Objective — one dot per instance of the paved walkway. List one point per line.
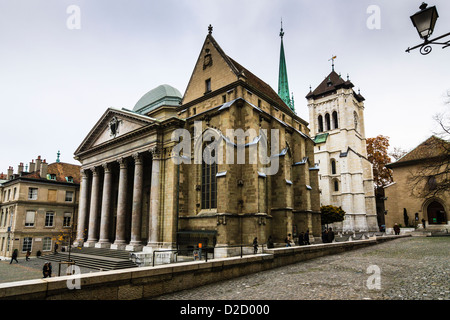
(416, 268)
(28, 270)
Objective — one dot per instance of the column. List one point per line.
(93, 211)
(83, 208)
(105, 218)
(120, 242)
(136, 212)
(154, 213)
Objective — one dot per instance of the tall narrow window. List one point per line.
(26, 245)
(47, 244)
(327, 122)
(49, 219)
(333, 166)
(209, 182)
(320, 120)
(335, 120)
(336, 185)
(32, 193)
(67, 219)
(207, 85)
(69, 196)
(29, 219)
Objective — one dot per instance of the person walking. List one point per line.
(300, 239)
(423, 223)
(330, 235)
(255, 245)
(14, 256)
(270, 244)
(325, 236)
(27, 256)
(56, 248)
(396, 229)
(306, 237)
(45, 270)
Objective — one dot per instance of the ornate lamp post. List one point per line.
(424, 21)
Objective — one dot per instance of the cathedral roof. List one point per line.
(330, 84)
(162, 95)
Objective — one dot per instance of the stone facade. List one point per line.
(403, 195)
(38, 207)
(345, 175)
(157, 195)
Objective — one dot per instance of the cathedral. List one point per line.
(223, 163)
(336, 114)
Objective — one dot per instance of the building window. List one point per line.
(336, 185)
(209, 183)
(49, 219)
(47, 244)
(320, 119)
(335, 120)
(327, 122)
(207, 85)
(355, 119)
(52, 195)
(259, 103)
(333, 166)
(224, 98)
(69, 196)
(29, 219)
(32, 193)
(67, 219)
(69, 179)
(26, 244)
(52, 176)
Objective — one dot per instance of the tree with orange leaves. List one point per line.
(377, 153)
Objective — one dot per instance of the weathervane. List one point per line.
(332, 62)
(281, 30)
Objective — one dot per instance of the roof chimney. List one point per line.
(38, 163)
(20, 168)
(44, 169)
(32, 166)
(10, 173)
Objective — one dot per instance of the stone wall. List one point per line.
(148, 282)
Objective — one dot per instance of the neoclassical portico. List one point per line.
(107, 217)
(120, 205)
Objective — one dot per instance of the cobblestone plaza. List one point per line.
(415, 268)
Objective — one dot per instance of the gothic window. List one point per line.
(207, 85)
(336, 185)
(320, 119)
(327, 122)
(333, 166)
(209, 182)
(335, 120)
(355, 118)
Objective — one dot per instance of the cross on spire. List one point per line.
(210, 29)
(332, 62)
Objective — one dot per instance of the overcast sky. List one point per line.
(56, 81)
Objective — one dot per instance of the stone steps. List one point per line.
(94, 258)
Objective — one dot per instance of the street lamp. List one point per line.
(424, 21)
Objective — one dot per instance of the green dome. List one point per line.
(163, 95)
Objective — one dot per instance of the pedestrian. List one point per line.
(306, 237)
(56, 248)
(45, 270)
(300, 239)
(330, 235)
(325, 236)
(49, 269)
(423, 223)
(270, 244)
(255, 245)
(27, 256)
(396, 229)
(14, 256)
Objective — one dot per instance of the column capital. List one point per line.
(94, 171)
(156, 152)
(122, 162)
(106, 167)
(137, 158)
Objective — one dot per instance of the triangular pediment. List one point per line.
(113, 125)
(213, 64)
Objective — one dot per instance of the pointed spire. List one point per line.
(283, 85)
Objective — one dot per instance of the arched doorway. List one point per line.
(436, 213)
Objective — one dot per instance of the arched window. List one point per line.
(327, 122)
(333, 166)
(320, 119)
(336, 185)
(209, 182)
(335, 120)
